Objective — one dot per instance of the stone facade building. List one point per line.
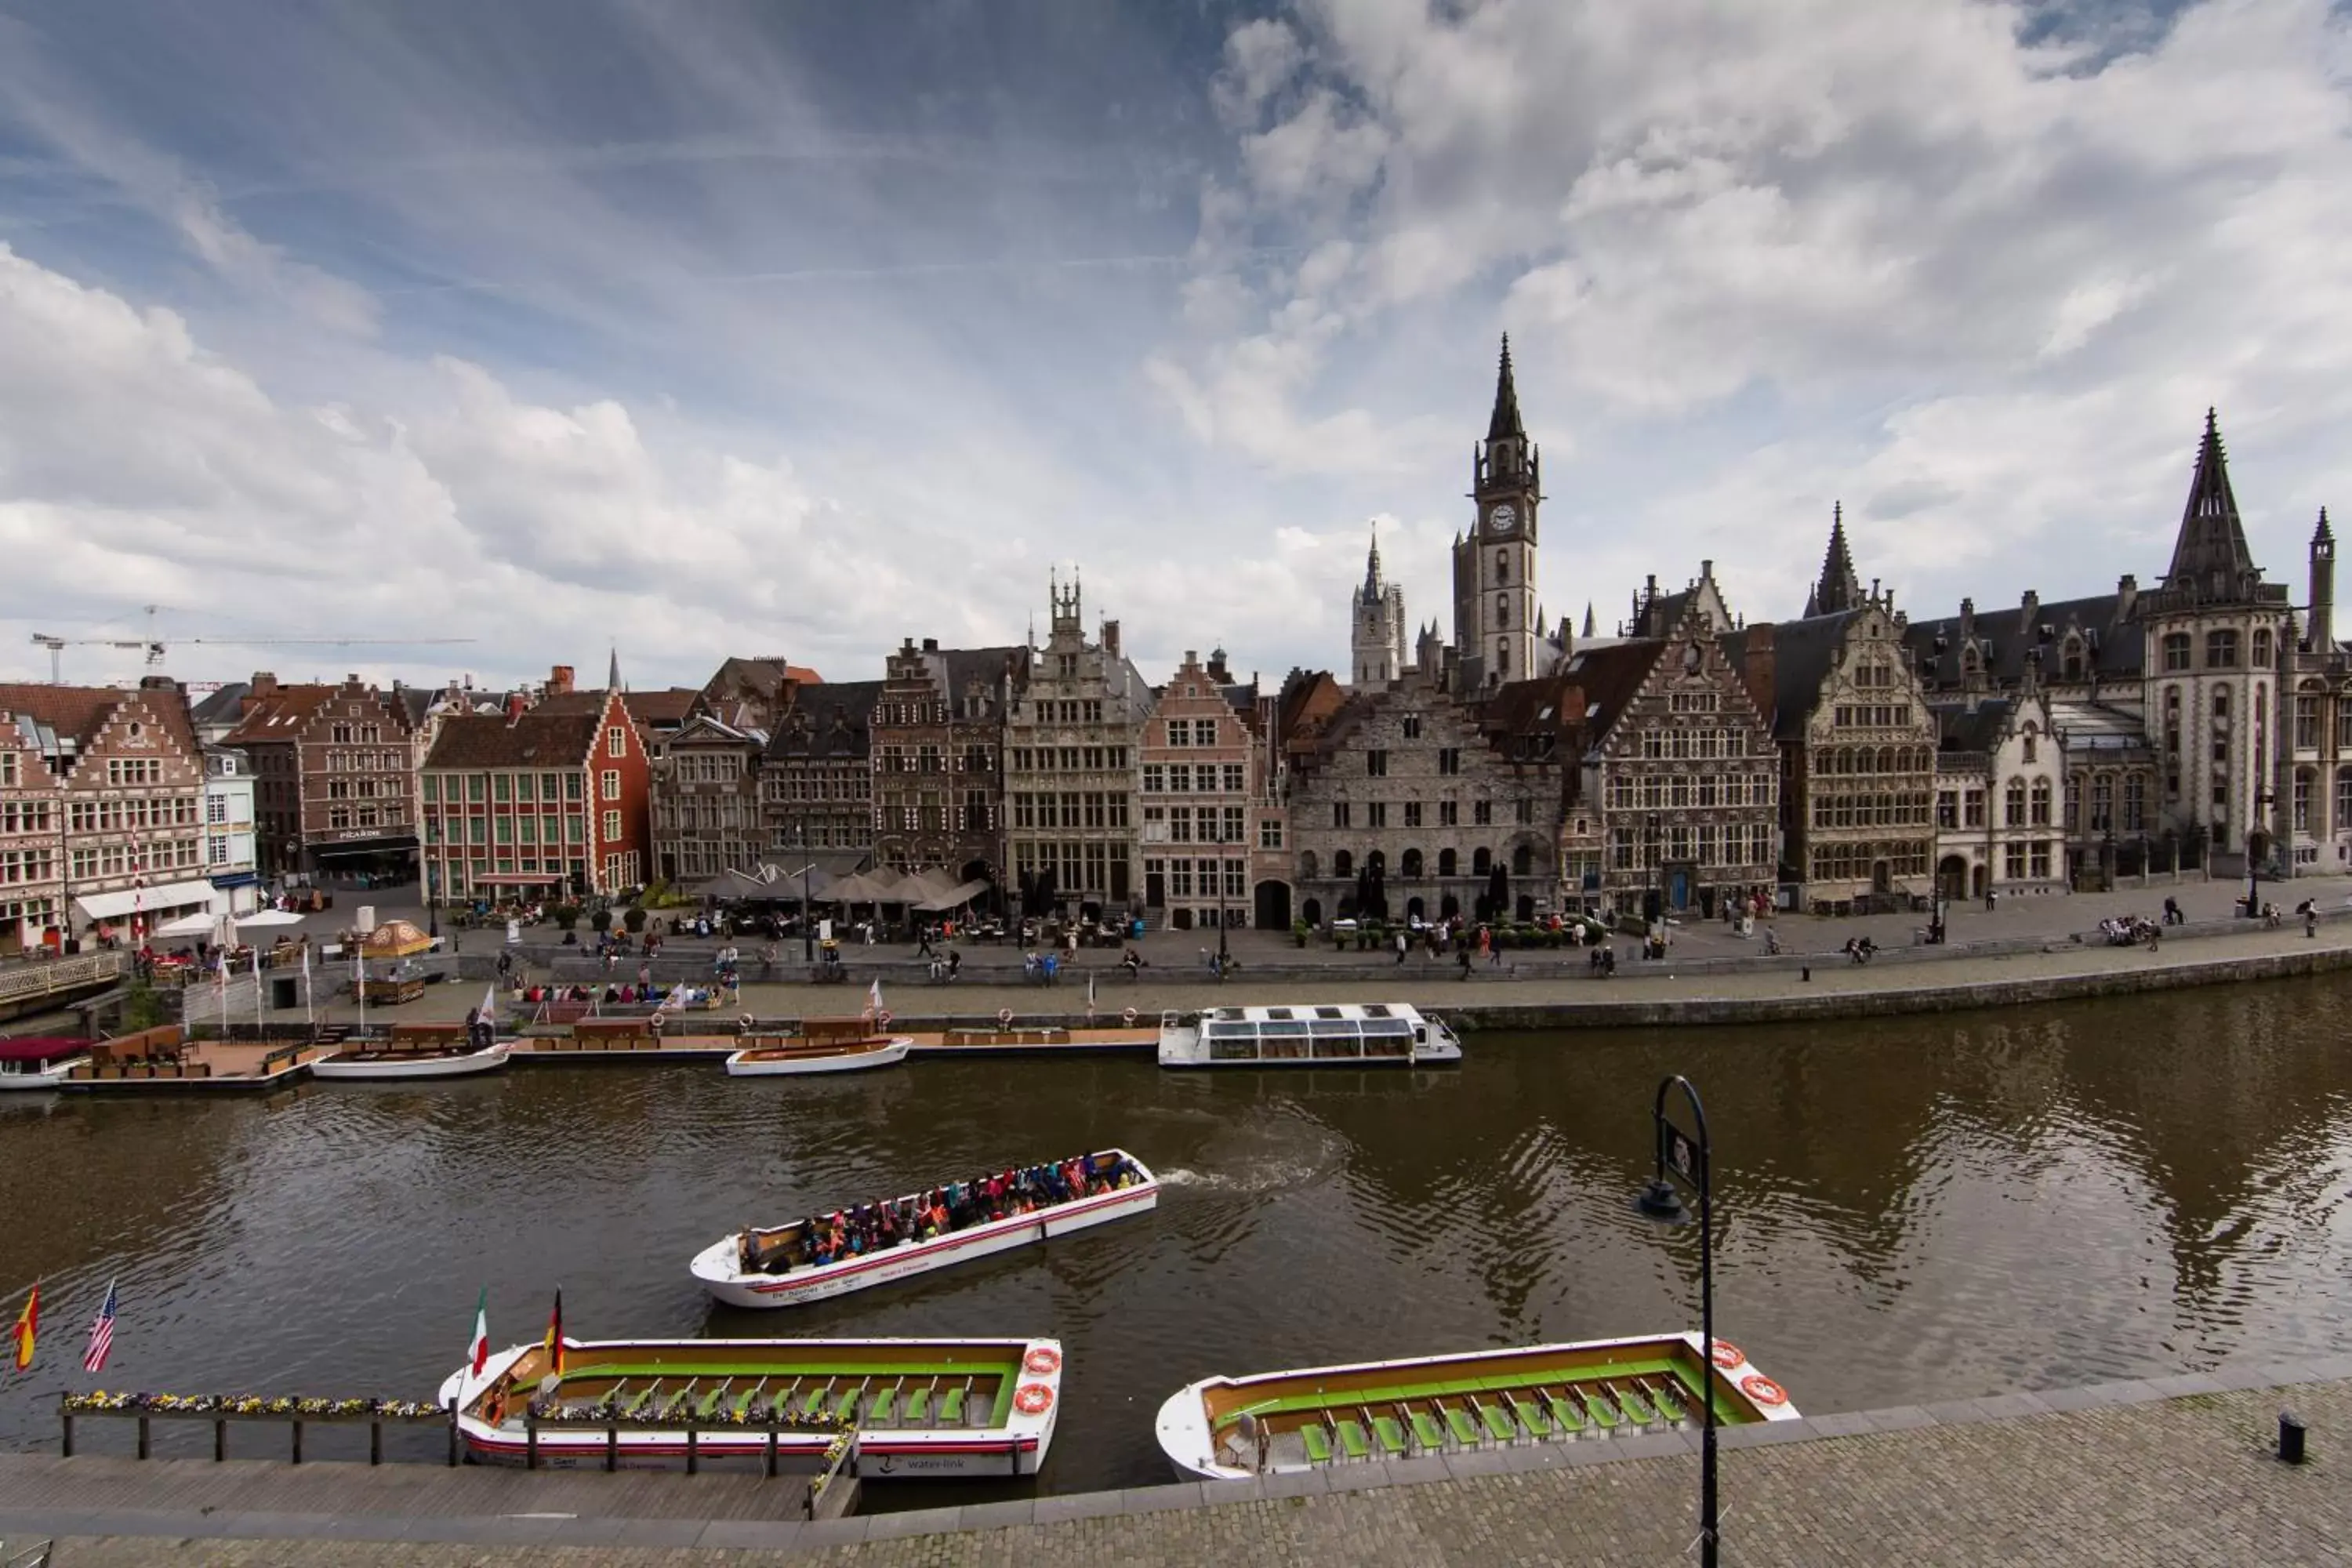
(1198, 796)
(334, 776)
(816, 782)
(705, 803)
(1376, 653)
(1999, 777)
(938, 753)
(1070, 774)
(1497, 619)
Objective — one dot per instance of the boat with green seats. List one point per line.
(1231, 1428)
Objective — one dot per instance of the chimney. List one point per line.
(1110, 639)
(263, 684)
(2030, 610)
(1756, 668)
(559, 679)
(515, 706)
(930, 645)
(2126, 596)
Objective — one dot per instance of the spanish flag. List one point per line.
(554, 1343)
(28, 1323)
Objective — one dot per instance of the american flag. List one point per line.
(101, 1334)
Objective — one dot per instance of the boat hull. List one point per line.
(748, 1064)
(1010, 1442)
(715, 1268)
(47, 1077)
(390, 1070)
(1189, 1420)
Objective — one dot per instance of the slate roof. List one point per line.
(221, 707)
(536, 740)
(966, 665)
(1959, 729)
(2115, 648)
(1609, 675)
(851, 702)
(1531, 721)
(1802, 652)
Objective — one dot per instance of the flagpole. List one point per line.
(260, 1029)
(359, 982)
(310, 1019)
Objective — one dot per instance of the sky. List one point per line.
(569, 326)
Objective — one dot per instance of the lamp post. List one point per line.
(808, 913)
(2258, 842)
(1681, 1157)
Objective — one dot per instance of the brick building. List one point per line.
(100, 811)
(1199, 795)
(937, 755)
(535, 803)
(1070, 777)
(335, 780)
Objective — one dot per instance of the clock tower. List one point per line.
(1495, 606)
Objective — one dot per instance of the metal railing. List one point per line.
(49, 976)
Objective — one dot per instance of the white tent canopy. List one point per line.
(954, 899)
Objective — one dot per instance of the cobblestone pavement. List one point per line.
(2115, 1475)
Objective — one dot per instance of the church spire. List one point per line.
(1372, 566)
(1588, 618)
(1840, 587)
(613, 675)
(2211, 555)
(1505, 422)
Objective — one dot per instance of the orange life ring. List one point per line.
(1033, 1399)
(1728, 1355)
(1128, 1017)
(882, 1019)
(1042, 1359)
(1763, 1390)
(1005, 1017)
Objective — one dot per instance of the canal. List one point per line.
(1910, 1210)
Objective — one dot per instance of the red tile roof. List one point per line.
(79, 712)
(536, 740)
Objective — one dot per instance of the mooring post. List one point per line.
(772, 1443)
(452, 1431)
(66, 1416)
(612, 1444)
(142, 1436)
(298, 1442)
(530, 1439)
(693, 1453)
(220, 1440)
(375, 1442)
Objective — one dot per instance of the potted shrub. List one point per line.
(1298, 933)
(600, 922)
(634, 917)
(565, 916)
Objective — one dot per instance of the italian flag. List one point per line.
(478, 1356)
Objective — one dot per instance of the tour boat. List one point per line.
(1340, 1034)
(823, 1045)
(414, 1051)
(920, 1407)
(41, 1061)
(1232, 1428)
(752, 1269)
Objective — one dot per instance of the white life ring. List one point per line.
(1128, 1017)
(882, 1019)
(1005, 1017)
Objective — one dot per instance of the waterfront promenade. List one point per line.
(2176, 1471)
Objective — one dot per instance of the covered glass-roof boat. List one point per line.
(1334, 1034)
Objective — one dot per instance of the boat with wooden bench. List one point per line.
(1341, 1033)
(1231, 1428)
(769, 1267)
(31, 1062)
(1008, 1036)
(417, 1051)
(820, 1045)
(920, 1407)
(164, 1058)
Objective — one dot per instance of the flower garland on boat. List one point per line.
(101, 1402)
(682, 1409)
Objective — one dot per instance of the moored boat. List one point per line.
(794, 1264)
(920, 1407)
(1231, 1428)
(822, 1045)
(1338, 1033)
(417, 1051)
(41, 1061)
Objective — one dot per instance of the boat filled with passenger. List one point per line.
(834, 1253)
(1231, 1428)
(920, 1407)
(1338, 1033)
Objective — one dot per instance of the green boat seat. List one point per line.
(1564, 1411)
(710, 1402)
(884, 1409)
(1352, 1442)
(1499, 1424)
(951, 1407)
(644, 1397)
(1318, 1443)
(1636, 1408)
(814, 1404)
(919, 1407)
(1458, 1422)
(847, 1403)
(1604, 1415)
(1388, 1432)
(1670, 1405)
(1426, 1431)
(743, 1402)
(1531, 1417)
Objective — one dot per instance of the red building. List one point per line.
(537, 803)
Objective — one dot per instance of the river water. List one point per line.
(1908, 1210)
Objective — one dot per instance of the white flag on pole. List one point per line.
(874, 1001)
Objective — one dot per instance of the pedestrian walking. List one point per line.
(1401, 946)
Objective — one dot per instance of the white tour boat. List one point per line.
(417, 1050)
(1236, 1428)
(921, 1409)
(41, 1061)
(766, 1268)
(822, 1045)
(1338, 1033)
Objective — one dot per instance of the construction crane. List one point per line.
(155, 648)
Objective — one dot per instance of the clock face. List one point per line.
(1504, 518)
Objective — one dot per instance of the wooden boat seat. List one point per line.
(1425, 1429)
(1671, 1409)
(743, 1401)
(1457, 1421)
(1318, 1441)
(637, 1406)
(711, 1401)
(1388, 1432)
(1352, 1442)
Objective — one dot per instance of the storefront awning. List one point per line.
(143, 901)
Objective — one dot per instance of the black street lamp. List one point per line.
(1684, 1158)
(808, 913)
(2258, 842)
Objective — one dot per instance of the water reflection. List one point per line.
(1908, 1210)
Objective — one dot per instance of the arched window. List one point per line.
(1481, 861)
(1502, 567)
(1377, 863)
(2262, 649)
(2040, 803)
(2028, 744)
(1309, 866)
(2070, 661)
(1886, 762)
(1523, 861)
(1411, 865)
(1343, 863)
(1502, 609)
(1445, 857)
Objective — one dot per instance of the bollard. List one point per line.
(2290, 1441)
(453, 1432)
(143, 1447)
(1807, 972)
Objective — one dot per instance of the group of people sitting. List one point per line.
(879, 1227)
(1859, 948)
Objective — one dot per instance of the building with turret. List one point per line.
(1376, 623)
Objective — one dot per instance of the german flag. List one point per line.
(555, 1342)
(28, 1323)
